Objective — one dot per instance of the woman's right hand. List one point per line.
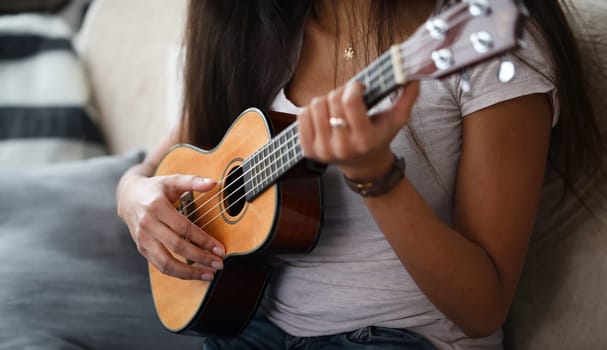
(145, 204)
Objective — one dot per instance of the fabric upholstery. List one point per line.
(560, 302)
(71, 276)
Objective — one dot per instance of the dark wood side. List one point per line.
(236, 291)
(300, 215)
(299, 218)
(232, 298)
(305, 168)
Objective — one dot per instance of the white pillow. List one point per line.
(44, 94)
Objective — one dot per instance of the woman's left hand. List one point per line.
(336, 129)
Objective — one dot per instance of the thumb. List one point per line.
(175, 185)
(399, 114)
(407, 98)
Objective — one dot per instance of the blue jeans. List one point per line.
(261, 334)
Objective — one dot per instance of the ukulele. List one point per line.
(268, 198)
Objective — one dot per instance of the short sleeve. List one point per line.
(533, 74)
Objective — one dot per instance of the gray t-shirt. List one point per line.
(353, 278)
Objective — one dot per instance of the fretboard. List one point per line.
(272, 161)
(378, 79)
(283, 152)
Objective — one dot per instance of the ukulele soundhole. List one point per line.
(234, 198)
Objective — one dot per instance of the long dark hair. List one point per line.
(577, 149)
(237, 56)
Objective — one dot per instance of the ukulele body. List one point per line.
(284, 219)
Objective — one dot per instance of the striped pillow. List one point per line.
(44, 94)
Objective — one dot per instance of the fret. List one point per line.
(258, 170)
(271, 159)
(387, 73)
(268, 168)
(270, 162)
(287, 142)
(283, 147)
(264, 162)
(290, 145)
(284, 151)
(289, 153)
(253, 177)
(279, 161)
(378, 78)
(255, 171)
(285, 162)
(375, 67)
(248, 174)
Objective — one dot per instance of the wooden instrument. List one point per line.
(268, 199)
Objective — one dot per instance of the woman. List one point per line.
(433, 257)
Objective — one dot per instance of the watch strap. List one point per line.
(383, 185)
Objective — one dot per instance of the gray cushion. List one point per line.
(71, 277)
(560, 302)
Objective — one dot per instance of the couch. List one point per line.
(70, 276)
(72, 279)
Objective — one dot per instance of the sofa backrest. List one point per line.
(560, 301)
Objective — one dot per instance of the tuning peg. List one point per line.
(507, 71)
(522, 44)
(464, 82)
(437, 28)
(479, 7)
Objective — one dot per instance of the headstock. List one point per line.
(463, 35)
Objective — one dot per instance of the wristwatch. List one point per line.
(383, 185)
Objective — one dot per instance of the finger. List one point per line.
(354, 107)
(164, 261)
(389, 122)
(322, 130)
(339, 136)
(187, 248)
(175, 185)
(400, 112)
(184, 229)
(306, 131)
(336, 109)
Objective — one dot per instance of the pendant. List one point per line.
(349, 53)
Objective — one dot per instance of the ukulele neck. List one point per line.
(283, 152)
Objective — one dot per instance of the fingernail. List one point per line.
(206, 181)
(218, 251)
(207, 276)
(217, 265)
